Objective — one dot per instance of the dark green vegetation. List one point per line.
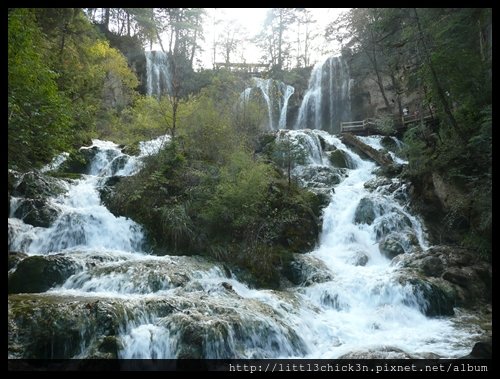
(443, 55)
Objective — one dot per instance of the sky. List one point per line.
(251, 21)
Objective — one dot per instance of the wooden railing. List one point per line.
(372, 123)
(243, 67)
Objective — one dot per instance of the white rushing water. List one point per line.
(276, 95)
(158, 81)
(357, 308)
(327, 101)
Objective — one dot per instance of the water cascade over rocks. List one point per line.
(275, 95)
(327, 101)
(83, 286)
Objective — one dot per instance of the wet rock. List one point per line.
(37, 212)
(365, 212)
(132, 149)
(110, 345)
(457, 276)
(14, 258)
(390, 246)
(390, 171)
(379, 181)
(332, 301)
(359, 258)
(394, 222)
(384, 352)
(319, 176)
(432, 266)
(119, 163)
(39, 273)
(48, 326)
(35, 185)
(340, 159)
(457, 269)
(434, 298)
(480, 350)
(306, 270)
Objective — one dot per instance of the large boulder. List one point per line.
(366, 211)
(391, 222)
(39, 273)
(340, 159)
(319, 176)
(390, 246)
(396, 243)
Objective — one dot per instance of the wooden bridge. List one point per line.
(373, 125)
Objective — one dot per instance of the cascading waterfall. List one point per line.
(190, 307)
(276, 95)
(159, 79)
(327, 100)
(289, 91)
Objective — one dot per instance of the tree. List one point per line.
(273, 39)
(38, 115)
(305, 22)
(229, 40)
(287, 154)
(360, 27)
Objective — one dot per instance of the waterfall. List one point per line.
(83, 221)
(276, 95)
(159, 79)
(287, 92)
(327, 100)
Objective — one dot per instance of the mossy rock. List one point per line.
(78, 162)
(132, 149)
(36, 212)
(340, 159)
(390, 246)
(306, 270)
(35, 185)
(438, 298)
(14, 258)
(40, 273)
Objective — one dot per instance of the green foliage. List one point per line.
(238, 197)
(38, 124)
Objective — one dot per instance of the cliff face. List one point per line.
(366, 96)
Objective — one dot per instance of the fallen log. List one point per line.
(370, 152)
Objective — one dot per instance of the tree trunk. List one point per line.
(193, 48)
(106, 18)
(373, 60)
(159, 40)
(280, 38)
(128, 24)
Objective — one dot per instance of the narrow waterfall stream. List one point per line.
(146, 306)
